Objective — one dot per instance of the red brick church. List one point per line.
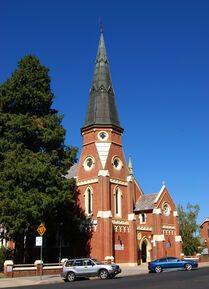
(127, 225)
(204, 233)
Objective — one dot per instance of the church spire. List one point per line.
(102, 110)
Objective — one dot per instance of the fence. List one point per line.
(36, 269)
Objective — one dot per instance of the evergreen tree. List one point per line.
(189, 230)
(33, 163)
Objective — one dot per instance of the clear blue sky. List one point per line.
(159, 60)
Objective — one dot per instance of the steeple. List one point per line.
(102, 110)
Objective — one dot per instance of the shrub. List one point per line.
(5, 254)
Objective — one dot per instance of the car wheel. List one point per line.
(71, 277)
(188, 267)
(158, 269)
(103, 274)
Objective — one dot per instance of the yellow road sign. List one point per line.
(41, 229)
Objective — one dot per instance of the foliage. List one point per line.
(33, 158)
(189, 229)
(5, 254)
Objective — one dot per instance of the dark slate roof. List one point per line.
(102, 108)
(146, 202)
(72, 171)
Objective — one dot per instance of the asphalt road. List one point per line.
(196, 279)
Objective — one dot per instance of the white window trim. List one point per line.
(120, 163)
(106, 135)
(86, 201)
(86, 167)
(119, 202)
(169, 209)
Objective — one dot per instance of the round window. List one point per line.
(166, 209)
(88, 163)
(117, 164)
(103, 135)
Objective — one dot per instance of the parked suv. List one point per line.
(86, 267)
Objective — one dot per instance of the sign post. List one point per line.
(39, 242)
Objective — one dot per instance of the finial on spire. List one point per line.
(130, 165)
(163, 183)
(101, 26)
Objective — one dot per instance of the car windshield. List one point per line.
(97, 262)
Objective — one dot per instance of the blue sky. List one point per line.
(159, 61)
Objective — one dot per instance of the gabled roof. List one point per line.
(160, 193)
(72, 171)
(102, 110)
(206, 220)
(145, 203)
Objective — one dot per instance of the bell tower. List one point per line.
(107, 191)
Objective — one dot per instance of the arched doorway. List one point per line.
(144, 252)
(145, 248)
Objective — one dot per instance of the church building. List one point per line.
(128, 226)
(204, 233)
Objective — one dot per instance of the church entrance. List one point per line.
(144, 250)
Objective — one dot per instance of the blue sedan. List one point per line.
(171, 263)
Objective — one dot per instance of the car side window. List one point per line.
(78, 263)
(172, 259)
(69, 263)
(87, 263)
(163, 260)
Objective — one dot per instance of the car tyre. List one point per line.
(103, 274)
(158, 269)
(71, 277)
(188, 267)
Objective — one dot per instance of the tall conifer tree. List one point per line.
(33, 163)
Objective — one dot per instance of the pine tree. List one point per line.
(34, 161)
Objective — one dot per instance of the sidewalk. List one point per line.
(52, 279)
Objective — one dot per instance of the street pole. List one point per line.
(41, 251)
(41, 230)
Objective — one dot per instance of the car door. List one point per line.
(180, 264)
(163, 263)
(173, 263)
(78, 267)
(89, 267)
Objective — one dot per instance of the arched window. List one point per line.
(88, 200)
(118, 202)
